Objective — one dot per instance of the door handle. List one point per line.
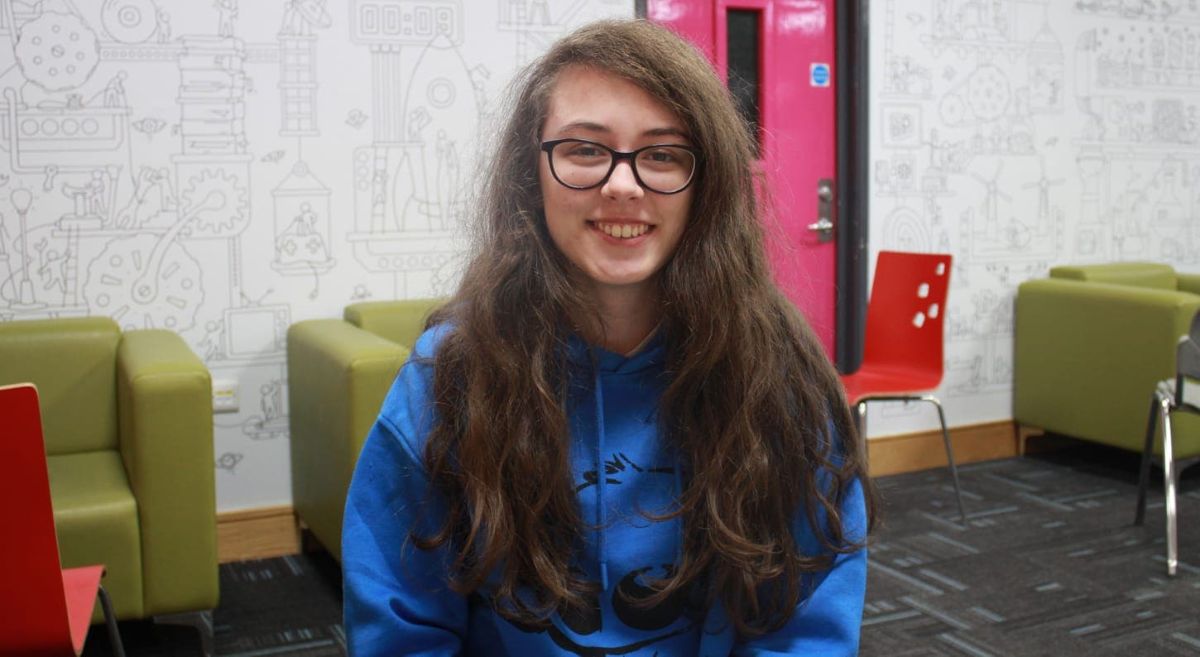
(823, 226)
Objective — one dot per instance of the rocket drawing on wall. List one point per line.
(409, 182)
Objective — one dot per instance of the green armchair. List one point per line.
(128, 427)
(338, 374)
(1092, 342)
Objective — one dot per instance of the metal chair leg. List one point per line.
(201, 620)
(110, 622)
(860, 427)
(1147, 456)
(1170, 480)
(962, 510)
(860, 416)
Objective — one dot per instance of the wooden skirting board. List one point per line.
(257, 534)
(272, 532)
(924, 450)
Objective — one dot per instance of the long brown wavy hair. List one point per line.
(753, 405)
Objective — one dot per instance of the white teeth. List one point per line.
(623, 231)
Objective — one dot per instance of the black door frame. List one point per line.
(853, 169)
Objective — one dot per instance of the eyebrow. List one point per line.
(590, 126)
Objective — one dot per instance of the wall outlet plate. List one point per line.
(225, 395)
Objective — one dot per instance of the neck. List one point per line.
(628, 315)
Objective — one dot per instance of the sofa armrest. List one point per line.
(164, 401)
(338, 375)
(400, 321)
(1188, 283)
(1088, 355)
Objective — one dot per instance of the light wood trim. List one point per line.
(924, 450)
(257, 533)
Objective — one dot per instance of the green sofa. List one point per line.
(338, 374)
(127, 420)
(1091, 344)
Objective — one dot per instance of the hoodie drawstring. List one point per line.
(601, 476)
(679, 501)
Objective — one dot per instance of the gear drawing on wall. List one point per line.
(57, 51)
(217, 203)
(146, 281)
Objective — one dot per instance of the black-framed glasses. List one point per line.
(583, 164)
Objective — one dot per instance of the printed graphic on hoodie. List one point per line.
(632, 587)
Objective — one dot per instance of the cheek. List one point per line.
(680, 211)
(556, 199)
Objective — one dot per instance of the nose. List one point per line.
(622, 184)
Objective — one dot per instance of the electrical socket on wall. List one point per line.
(225, 395)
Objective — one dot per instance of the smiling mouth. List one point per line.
(621, 230)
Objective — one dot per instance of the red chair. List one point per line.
(48, 608)
(902, 358)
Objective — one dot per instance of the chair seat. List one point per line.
(95, 514)
(871, 381)
(79, 585)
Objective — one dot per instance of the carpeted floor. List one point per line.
(1050, 565)
(285, 606)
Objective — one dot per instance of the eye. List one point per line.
(583, 150)
(662, 155)
(666, 159)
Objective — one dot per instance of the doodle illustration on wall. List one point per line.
(1136, 85)
(535, 23)
(302, 212)
(408, 183)
(301, 201)
(209, 167)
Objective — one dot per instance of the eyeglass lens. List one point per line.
(663, 169)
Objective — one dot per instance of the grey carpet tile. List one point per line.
(1049, 564)
(289, 606)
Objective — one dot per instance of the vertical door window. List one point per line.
(744, 66)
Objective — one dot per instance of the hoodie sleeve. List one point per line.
(396, 600)
(827, 622)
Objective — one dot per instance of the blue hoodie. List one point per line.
(396, 598)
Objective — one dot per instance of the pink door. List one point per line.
(778, 55)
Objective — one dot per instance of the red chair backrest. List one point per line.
(33, 617)
(907, 310)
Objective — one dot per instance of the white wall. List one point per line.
(171, 186)
(225, 169)
(1022, 134)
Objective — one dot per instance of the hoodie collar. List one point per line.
(652, 354)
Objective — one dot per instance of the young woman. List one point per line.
(618, 437)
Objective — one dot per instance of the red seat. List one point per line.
(49, 608)
(902, 357)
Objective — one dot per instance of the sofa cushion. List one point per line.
(1140, 274)
(97, 522)
(73, 363)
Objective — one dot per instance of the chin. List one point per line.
(623, 279)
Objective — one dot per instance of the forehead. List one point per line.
(605, 101)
